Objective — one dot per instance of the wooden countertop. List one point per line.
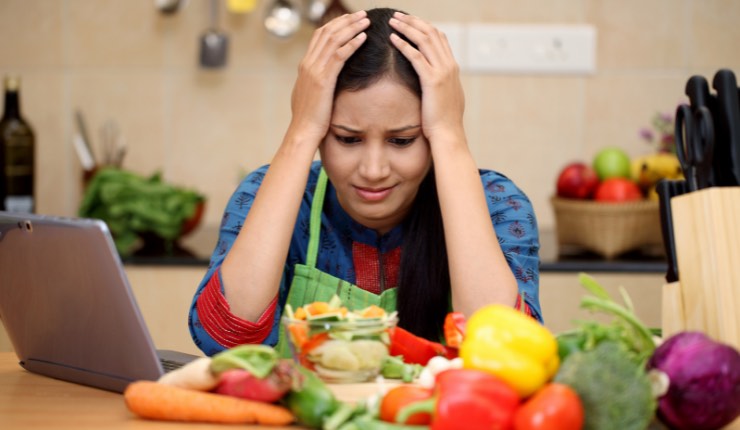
(29, 401)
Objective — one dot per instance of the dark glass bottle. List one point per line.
(17, 147)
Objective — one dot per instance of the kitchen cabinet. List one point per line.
(5, 342)
(560, 297)
(164, 294)
(164, 287)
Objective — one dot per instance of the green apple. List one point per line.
(612, 162)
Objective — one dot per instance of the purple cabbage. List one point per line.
(704, 390)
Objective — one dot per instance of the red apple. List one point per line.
(577, 181)
(615, 190)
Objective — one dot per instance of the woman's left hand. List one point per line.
(443, 99)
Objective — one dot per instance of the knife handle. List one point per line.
(727, 121)
(664, 187)
(697, 88)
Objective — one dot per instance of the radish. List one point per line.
(195, 375)
(243, 384)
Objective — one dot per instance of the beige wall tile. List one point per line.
(112, 33)
(533, 11)
(618, 106)
(218, 127)
(713, 34)
(639, 34)
(41, 47)
(526, 128)
(135, 100)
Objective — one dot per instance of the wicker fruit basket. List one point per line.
(608, 229)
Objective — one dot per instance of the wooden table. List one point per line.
(29, 401)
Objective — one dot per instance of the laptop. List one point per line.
(67, 306)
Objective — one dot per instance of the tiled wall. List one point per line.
(122, 60)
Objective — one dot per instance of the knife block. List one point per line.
(673, 319)
(706, 228)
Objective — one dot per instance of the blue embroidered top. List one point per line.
(353, 252)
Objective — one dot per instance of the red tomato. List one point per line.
(554, 407)
(618, 190)
(400, 396)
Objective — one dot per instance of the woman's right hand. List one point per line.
(313, 94)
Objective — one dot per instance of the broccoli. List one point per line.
(625, 328)
(615, 391)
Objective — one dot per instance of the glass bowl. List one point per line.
(340, 348)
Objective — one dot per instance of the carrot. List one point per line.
(300, 314)
(299, 332)
(372, 311)
(318, 308)
(314, 342)
(152, 400)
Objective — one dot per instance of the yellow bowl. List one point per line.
(341, 350)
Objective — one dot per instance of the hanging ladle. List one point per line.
(283, 19)
(213, 43)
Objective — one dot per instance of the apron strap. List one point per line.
(315, 220)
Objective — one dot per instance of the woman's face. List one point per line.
(375, 154)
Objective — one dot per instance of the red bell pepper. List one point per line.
(415, 349)
(468, 399)
(454, 329)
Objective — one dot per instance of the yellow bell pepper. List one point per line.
(512, 346)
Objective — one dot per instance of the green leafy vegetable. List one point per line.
(131, 205)
(625, 329)
(259, 360)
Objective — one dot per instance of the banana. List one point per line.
(647, 170)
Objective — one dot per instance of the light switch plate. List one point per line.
(549, 49)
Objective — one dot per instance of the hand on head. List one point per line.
(433, 68)
(329, 48)
(443, 101)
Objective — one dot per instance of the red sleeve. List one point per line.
(522, 306)
(223, 326)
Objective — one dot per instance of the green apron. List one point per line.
(312, 285)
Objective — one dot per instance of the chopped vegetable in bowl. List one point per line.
(338, 344)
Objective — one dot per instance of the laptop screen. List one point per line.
(66, 304)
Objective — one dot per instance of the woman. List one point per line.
(402, 217)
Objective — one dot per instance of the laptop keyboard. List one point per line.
(170, 365)
(172, 360)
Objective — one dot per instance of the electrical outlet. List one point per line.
(557, 49)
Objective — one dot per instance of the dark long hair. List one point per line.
(424, 281)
